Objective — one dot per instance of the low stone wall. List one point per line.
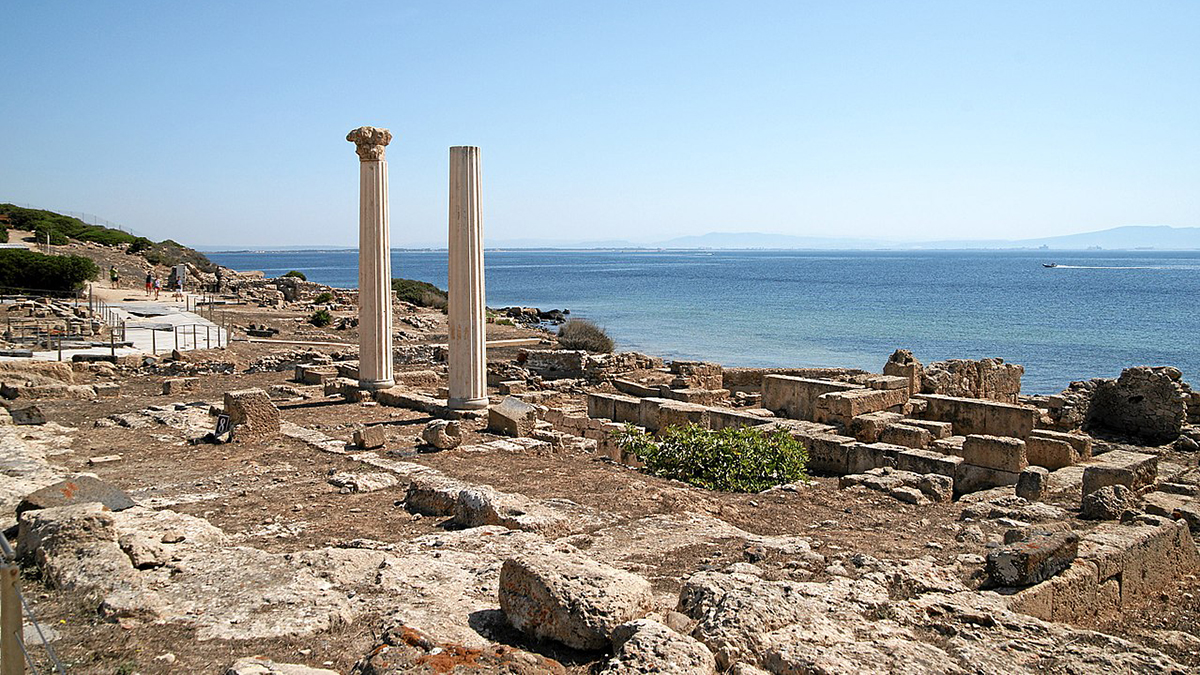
(751, 379)
(991, 379)
(574, 364)
(796, 397)
(973, 416)
(1119, 568)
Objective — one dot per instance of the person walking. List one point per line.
(157, 287)
(114, 277)
(149, 282)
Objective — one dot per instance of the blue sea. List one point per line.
(1094, 314)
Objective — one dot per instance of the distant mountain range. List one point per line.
(1161, 237)
(1128, 237)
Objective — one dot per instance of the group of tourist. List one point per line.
(154, 283)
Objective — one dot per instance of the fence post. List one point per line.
(207, 338)
(12, 658)
(175, 332)
(153, 347)
(195, 342)
(112, 341)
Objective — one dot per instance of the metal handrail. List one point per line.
(15, 624)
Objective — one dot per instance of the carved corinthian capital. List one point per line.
(370, 142)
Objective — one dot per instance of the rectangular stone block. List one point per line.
(906, 435)
(513, 417)
(796, 397)
(867, 427)
(251, 414)
(678, 413)
(725, 418)
(928, 461)
(698, 396)
(635, 389)
(972, 478)
(1050, 452)
(1075, 590)
(840, 407)
(938, 430)
(976, 416)
(648, 412)
(1134, 470)
(1081, 443)
(887, 382)
(510, 387)
(600, 406)
(838, 455)
(995, 452)
(315, 374)
(1041, 556)
(627, 409)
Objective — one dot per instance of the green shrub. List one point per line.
(743, 459)
(583, 334)
(323, 298)
(321, 318)
(171, 253)
(297, 274)
(420, 293)
(3, 235)
(48, 234)
(20, 268)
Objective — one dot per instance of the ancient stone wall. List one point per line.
(1144, 402)
(986, 378)
(751, 379)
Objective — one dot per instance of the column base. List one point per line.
(467, 403)
(376, 385)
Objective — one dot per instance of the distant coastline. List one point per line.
(1126, 238)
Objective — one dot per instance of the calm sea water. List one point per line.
(1098, 312)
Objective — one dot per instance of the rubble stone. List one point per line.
(442, 434)
(1036, 559)
(513, 417)
(1144, 402)
(570, 599)
(647, 646)
(78, 490)
(252, 414)
(1105, 503)
(1033, 483)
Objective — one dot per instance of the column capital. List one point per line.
(370, 142)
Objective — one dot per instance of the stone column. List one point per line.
(468, 356)
(374, 260)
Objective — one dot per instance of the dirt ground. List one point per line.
(275, 496)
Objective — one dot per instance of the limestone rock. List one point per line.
(647, 646)
(570, 598)
(1106, 503)
(252, 414)
(442, 434)
(433, 495)
(1033, 560)
(369, 438)
(259, 665)
(79, 490)
(513, 417)
(1032, 483)
(482, 505)
(363, 482)
(407, 650)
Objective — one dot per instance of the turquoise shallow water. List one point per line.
(1098, 312)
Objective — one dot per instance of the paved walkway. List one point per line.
(152, 327)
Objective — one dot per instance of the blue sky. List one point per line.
(224, 123)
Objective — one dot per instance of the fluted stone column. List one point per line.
(468, 358)
(374, 260)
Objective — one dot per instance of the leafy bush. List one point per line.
(743, 459)
(323, 298)
(55, 273)
(321, 318)
(46, 234)
(420, 293)
(583, 334)
(297, 274)
(61, 227)
(171, 253)
(3, 235)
